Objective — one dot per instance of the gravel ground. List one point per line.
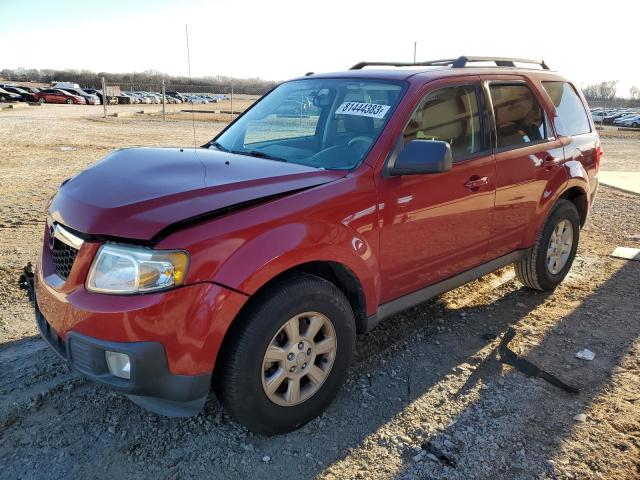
(426, 397)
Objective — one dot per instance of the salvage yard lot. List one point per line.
(426, 397)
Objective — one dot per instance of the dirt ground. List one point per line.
(426, 397)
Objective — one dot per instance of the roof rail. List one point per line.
(460, 62)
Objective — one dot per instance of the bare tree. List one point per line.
(634, 93)
(602, 90)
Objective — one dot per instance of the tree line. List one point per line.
(608, 91)
(140, 81)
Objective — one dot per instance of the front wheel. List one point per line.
(635, 125)
(550, 259)
(69, 101)
(288, 357)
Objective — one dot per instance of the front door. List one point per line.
(437, 225)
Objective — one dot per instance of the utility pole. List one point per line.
(415, 47)
(164, 102)
(105, 99)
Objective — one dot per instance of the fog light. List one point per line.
(119, 364)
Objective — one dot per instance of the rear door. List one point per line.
(529, 160)
(572, 122)
(437, 225)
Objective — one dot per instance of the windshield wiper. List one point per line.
(259, 154)
(219, 146)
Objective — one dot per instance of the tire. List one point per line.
(244, 370)
(69, 101)
(635, 125)
(534, 270)
(42, 100)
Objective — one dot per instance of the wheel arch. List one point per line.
(334, 272)
(579, 198)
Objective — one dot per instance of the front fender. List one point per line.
(335, 222)
(265, 256)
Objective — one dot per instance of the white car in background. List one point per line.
(196, 99)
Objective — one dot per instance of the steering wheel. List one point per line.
(363, 142)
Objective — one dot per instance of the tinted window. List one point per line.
(519, 117)
(450, 115)
(572, 115)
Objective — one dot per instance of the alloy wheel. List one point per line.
(299, 359)
(560, 245)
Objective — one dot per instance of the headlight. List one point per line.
(121, 269)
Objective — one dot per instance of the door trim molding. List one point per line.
(412, 299)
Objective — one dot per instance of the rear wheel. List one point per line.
(635, 125)
(289, 356)
(551, 257)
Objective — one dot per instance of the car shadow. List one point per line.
(527, 419)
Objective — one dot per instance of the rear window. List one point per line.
(572, 115)
(520, 120)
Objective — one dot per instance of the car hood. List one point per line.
(136, 193)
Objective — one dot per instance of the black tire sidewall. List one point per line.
(241, 389)
(564, 210)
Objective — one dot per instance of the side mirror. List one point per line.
(422, 156)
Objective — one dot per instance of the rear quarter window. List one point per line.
(572, 114)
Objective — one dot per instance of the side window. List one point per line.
(571, 112)
(520, 119)
(450, 115)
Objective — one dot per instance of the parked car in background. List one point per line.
(174, 94)
(64, 85)
(6, 96)
(599, 115)
(29, 88)
(88, 98)
(620, 120)
(152, 97)
(57, 95)
(196, 99)
(126, 99)
(633, 121)
(608, 120)
(24, 95)
(139, 98)
(92, 91)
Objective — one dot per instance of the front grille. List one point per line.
(63, 257)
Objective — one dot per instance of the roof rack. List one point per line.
(460, 62)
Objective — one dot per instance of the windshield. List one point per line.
(322, 123)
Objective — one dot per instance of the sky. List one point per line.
(276, 40)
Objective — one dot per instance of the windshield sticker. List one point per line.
(363, 109)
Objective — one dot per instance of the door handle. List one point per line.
(475, 182)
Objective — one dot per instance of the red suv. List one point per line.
(251, 263)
